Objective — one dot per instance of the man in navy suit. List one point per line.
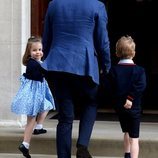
(75, 36)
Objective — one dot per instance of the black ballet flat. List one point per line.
(24, 151)
(39, 131)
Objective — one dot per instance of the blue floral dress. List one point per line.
(33, 96)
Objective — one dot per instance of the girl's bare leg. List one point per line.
(29, 128)
(41, 117)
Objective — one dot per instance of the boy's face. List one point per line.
(36, 51)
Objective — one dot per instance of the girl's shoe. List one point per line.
(24, 151)
(39, 131)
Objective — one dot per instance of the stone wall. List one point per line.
(14, 29)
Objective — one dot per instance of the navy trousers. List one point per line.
(70, 91)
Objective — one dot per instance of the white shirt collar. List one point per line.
(126, 61)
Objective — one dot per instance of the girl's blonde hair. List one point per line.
(125, 47)
(27, 54)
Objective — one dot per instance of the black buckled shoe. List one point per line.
(82, 152)
(39, 131)
(24, 151)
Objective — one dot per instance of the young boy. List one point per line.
(128, 81)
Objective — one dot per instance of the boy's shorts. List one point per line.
(130, 122)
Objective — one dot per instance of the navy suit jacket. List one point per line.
(75, 34)
(128, 81)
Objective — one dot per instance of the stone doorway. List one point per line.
(126, 17)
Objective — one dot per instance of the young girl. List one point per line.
(34, 96)
(128, 81)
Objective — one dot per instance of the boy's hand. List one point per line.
(128, 104)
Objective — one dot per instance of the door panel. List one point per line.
(38, 10)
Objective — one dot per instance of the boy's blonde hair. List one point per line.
(27, 54)
(125, 47)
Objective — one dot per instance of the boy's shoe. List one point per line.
(127, 155)
(39, 131)
(82, 152)
(24, 151)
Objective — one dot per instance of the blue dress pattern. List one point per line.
(33, 97)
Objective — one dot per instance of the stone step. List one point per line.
(5, 155)
(107, 139)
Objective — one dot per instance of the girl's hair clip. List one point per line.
(31, 38)
(34, 38)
